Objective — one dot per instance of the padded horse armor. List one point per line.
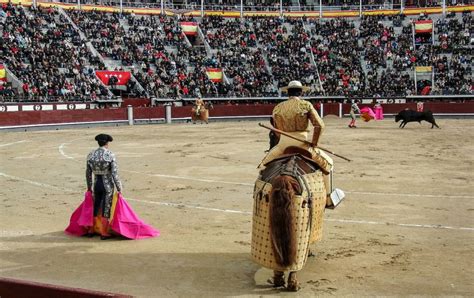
(307, 209)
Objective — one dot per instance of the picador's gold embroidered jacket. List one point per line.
(293, 115)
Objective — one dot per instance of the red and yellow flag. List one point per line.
(189, 28)
(215, 74)
(3, 73)
(425, 26)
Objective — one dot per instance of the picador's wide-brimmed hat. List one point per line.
(295, 85)
(105, 138)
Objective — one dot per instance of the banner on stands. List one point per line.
(189, 28)
(3, 73)
(122, 77)
(215, 74)
(425, 26)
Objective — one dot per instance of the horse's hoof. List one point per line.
(276, 282)
(278, 279)
(293, 286)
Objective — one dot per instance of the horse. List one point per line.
(203, 114)
(289, 202)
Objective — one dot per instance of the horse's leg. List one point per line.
(293, 284)
(278, 279)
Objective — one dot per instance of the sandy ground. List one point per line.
(406, 227)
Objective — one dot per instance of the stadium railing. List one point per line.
(201, 8)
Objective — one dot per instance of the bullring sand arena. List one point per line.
(405, 228)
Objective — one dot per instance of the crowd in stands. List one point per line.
(179, 72)
(335, 47)
(370, 56)
(45, 53)
(235, 43)
(453, 59)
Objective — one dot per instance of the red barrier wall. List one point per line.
(52, 117)
(148, 113)
(21, 288)
(136, 102)
(72, 116)
(228, 110)
(330, 109)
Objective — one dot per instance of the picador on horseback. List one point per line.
(200, 111)
(292, 190)
(198, 105)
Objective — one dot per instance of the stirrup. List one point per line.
(336, 197)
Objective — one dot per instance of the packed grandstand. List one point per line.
(57, 54)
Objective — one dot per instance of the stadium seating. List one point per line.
(53, 54)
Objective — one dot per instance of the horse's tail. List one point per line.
(282, 221)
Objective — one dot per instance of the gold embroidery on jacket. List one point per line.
(294, 115)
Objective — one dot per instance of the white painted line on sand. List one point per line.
(14, 233)
(326, 219)
(9, 144)
(36, 183)
(348, 192)
(61, 150)
(240, 211)
(63, 153)
(190, 178)
(410, 195)
(12, 268)
(399, 224)
(190, 206)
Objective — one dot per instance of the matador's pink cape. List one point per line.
(367, 114)
(378, 113)
(124, 221)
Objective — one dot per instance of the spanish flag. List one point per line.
(189, 28)
(3, 73)
(425, 26)
(215, 74)
(423, 69)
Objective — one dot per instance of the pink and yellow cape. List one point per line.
(124, 221)
(367, 114)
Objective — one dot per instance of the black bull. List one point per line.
(412, 116)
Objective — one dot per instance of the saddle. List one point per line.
(291, 164)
